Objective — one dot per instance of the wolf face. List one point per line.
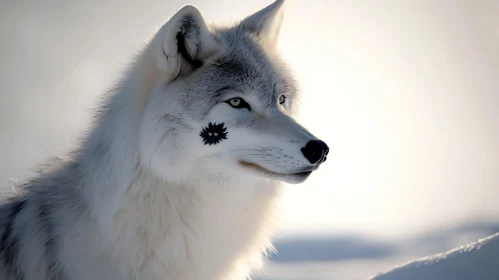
(222, 104)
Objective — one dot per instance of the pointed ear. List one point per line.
(266, 23)
(184, 42)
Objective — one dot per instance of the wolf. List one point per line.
(179, 175)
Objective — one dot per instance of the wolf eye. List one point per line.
(235, 102)
(238, 103)
(282, 99)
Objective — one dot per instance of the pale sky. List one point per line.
(404, 92)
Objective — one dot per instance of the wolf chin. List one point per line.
(180, 173)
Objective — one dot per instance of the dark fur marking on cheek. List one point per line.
(213, 133)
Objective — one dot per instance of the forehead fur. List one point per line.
(253, 61)
(245, 64)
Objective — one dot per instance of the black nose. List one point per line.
(315, 151)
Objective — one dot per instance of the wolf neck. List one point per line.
(130, 202)
(109, 155)
(199, 230)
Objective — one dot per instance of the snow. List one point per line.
(351, 257)
(478, 260)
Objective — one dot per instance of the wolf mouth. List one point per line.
(259, 168)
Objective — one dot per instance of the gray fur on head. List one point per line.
(143, 197)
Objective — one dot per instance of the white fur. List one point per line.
(144, 198)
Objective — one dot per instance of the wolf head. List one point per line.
(222, 103)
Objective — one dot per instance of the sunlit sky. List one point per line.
(404, 93)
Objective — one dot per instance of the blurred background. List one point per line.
(404, 92)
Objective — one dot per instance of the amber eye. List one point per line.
(282, 99)
(238, 103)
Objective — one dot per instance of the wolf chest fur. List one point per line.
(180, 173)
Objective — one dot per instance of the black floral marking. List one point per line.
(213, 133)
